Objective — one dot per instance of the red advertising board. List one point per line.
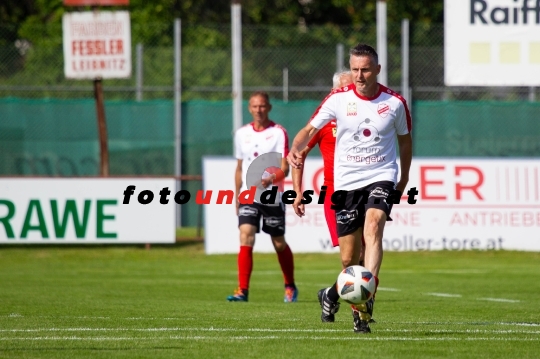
(95, 2)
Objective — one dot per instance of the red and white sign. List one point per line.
(97, 45)
(461, 204)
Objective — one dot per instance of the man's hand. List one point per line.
(267, 181)
(401, 185)
(295, 158)
(299, 207)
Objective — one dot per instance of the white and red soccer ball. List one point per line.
(356, 284)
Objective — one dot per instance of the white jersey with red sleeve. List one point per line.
(366, 134)
(250, 143)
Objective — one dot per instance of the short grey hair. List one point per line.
(337, 78)
(365, 50)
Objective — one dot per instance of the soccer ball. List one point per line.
(356, 284)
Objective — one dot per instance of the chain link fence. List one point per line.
(290, 62)
(47, 123)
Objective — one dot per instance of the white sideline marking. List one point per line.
(470, 323)
(386, 289)
(485, 331)
(447, 295)
(525, 324)
(500, 300)
(259, 330)
(348, 338)
(458, 271)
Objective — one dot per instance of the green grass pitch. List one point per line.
(169, 302)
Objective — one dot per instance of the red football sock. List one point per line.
(245, 266)
(286, 261)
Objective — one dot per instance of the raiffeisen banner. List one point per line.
(462, 204)
(491, 42)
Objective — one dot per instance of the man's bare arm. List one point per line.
(301, 140)
(405, 158)
(238, 181)
(297, 175)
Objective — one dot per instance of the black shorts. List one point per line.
(351, 212)
(273, 217)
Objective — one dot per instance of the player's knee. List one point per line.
(247, 239)
(279, 243)
(373, 225)
(347, 260)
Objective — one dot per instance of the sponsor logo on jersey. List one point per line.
(367, 133)
(379, 192)
(383, 109)
(269, 137)
(274, 222)
(345, 216)
(366, 159)
(248, 211)
(351, 109)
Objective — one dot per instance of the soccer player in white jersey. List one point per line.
(369, 118)
(251, 141)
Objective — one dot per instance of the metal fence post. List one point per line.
(285, 84)
(405, 60)
(236, 19)
(339, 57)
(382, 42)
(178, 114)
(139, 72)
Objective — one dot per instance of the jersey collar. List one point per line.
(270, 124)
(369, 98)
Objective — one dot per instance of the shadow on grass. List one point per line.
(180, 243)
(91, 348)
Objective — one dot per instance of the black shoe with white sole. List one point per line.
(328, 307)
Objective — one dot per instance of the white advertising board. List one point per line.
(491, 42)
(97, 44)
(462, 204)
(55, 211)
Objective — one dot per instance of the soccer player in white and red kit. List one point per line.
(369, 118)
(262, 136)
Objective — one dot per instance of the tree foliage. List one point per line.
(273, 31)
(269, 12)
(152, 20)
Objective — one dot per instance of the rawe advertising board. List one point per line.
(84, 210)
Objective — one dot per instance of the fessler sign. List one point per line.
(487, 37)
(97, 45)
